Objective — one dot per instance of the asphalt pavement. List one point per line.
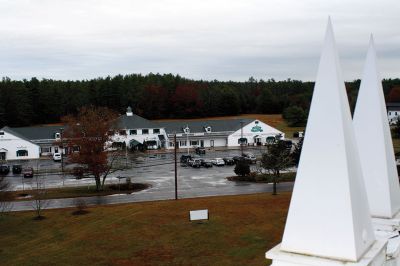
(157, 170)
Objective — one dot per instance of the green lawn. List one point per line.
(240, 230)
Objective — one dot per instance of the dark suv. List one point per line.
(229, 161)
(200, 151)
(16, 169)
(4, 169)
(185, 158)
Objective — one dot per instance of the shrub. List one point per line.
(81, 206)
(242, 168)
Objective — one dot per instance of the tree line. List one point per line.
(155, 96)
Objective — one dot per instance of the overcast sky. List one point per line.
(202, 39)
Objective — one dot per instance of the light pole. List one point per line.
(241, 136)
(126, 155)
(62, 153)
(176, 169)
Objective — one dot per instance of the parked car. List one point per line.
(28, 172)
(236, 159)
(229, 161)
(185, 158)
(57, 157)
(195, 163)
(206, 163)
(200, 151)
(4, 169)
(218, 162)
(16, 169)
(250, 157)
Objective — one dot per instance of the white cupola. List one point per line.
(129, 111)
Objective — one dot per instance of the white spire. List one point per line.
(329, 215)
(375, 143)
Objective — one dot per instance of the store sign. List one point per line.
(256, 129)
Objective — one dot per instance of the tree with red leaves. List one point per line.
(89, 130)
(394, 94)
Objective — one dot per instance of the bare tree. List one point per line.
(5, 196)
(276, 159)
(39, 196)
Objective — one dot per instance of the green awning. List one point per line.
(134, 143)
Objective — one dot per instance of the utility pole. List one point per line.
(176, 169)
(126, 155)
(187, 139)
(241, 136)
(62, 153)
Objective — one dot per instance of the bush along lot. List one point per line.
(263, 178)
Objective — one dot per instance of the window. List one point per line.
(212, 143)
(171, 144)
(46, 149)
(156, 131)
(21, 153)
(1, 133)
(133, 132)
(76, 148)
(57, 135)
(194, 142)
(182, 143)
(208, 129)
(390, 113)
(145, 131)
(395, 113)
(186, 130)
(242, 141)
(122, 132)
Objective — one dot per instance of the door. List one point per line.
(2, 156)
(202, 143)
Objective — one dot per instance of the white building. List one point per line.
(393, 111)
(14, 146)
(219, 133)
(136, 132)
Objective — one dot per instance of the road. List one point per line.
(154, 194)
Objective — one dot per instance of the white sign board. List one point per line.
(198, 215)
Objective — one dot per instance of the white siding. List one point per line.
(267, 131)
(12, 144)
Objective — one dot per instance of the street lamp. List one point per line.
(62, 153)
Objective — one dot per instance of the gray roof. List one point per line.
(13, 132)
(135, 121)
(37, 132)
(393, 106)
(198, 126)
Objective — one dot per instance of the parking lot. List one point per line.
(156, 169)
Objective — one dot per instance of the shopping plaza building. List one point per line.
(135, 132)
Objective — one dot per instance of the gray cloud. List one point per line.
(220, 39)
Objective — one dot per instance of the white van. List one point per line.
(57, 157)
